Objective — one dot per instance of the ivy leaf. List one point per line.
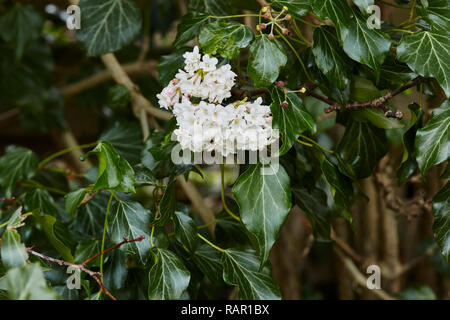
(143, 176)
(114, 172)
(376, 117)
(329, 56)
(241, 268)
(214, 7)
(225, 38)
(363, 4)
(433, 140)
(367, 46)
(17, 163)
(168, 203)
(126, 138)
(118, 96)
(87, 249)
(266, 59)
(298, 8)
(116, 270)
(57, 234)
(341, 185)
(42, 201)
(21, 25)
(28, 283)
(129, 219)
(337, 11)
(314, 203)
(417, 292)
(362, 146)
(168, 277)
(108, 25)
(189, 27)
(207, 259)
(169, 65)
(73, 200)
(185, 230)
(264, 200)
(428, 53)
(12, 250)
(441, 222)
(292, 120)
(409, 164)
(438, 11)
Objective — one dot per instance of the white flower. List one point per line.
(192, 61)
(170, 94)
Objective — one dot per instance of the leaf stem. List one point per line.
(64, 151)
(151, 236)
(207, 225)
(222, 191)
(316, 144)
(104, 231)
(234, 16)
(210, 243)
(34, 184)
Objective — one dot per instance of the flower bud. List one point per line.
(285, 32)
(285, 104)
(263, 26)
(271, 37)
(280, 84)
(258, 28)
(303, 90)
(264, 10)
(288, 17)
(267, 15)
(285, 8)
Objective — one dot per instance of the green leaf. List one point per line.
(376, 117)
(17, 163)
(73, 200)
(28, 283)
(114, 172)
(292, 120)
(264, 200)
(189, 27)
(128, 219)
(115, 270)
(118, 96)
(225, 38)
(169, 65)
(266, 59)
(12, 250)
(341, 185)
(409, 164)
(417, 292)
(337, 11)
(87, 249)
(314, 203)
(108, 25)
(441, 222)
(330, 57)
(241, 268)
(40, 199)
(168, 203)
(363, 4)
(168, 277)
(297, 8)
(367, 46)
(428, 53)
(214, 7)
(143, 176)
(20, 26)
(438, 11)
(207, 259)
(57, 234)
(126, 138)
(433, 140)
(362, 146)
(185, 230)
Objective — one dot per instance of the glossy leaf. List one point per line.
(241, 268)
(12, 250)
(114, 172)
(143, 176)
(208, 260)
(185, 230)
(441, 223)
(292, 120)
(169, 65)
(362, 146)
(337, 11)
(225, 38)
(438, 11)
(433, 140)
(168, 277)
(128, 219)
(73, 200)
(116, 270)
(266, 59)
(87, 249)
(189, 27)
(17, 163)
(428, 53)
(340, 184)
(108, 25)
(28, 283)
(264, 203)
(297, 8)
(41, 200)
(168, 204)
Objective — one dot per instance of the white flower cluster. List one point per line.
(209, 125)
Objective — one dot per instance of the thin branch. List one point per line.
(346, 248)
(9, 114)
(359, 277)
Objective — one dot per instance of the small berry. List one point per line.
(285, 8)
(271, 37)
(285, 104)
(303, 90)
(267, 15)
(264, 10)
(258, 28)
(286, 32)
(280, 84)
(263, 26)
(288, 17)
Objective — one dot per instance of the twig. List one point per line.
(125, 240)
(359, 277)
(346, 248)
(9, 114)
